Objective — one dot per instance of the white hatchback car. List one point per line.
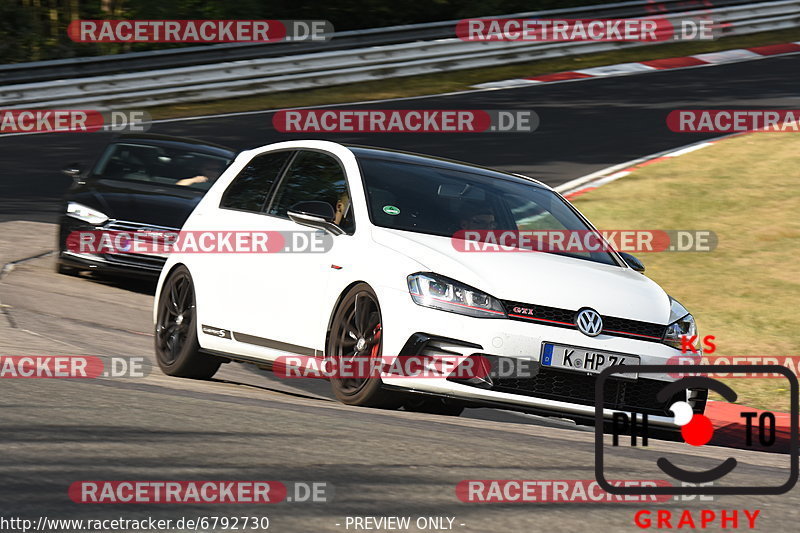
(394, 284)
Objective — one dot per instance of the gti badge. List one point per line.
(589, 322)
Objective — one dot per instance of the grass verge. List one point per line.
(462, 79)
(745, 292)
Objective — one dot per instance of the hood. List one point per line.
(140, 202)
(537, 278)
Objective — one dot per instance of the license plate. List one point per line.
(584, 360)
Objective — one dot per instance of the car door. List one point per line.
(218, 276)
(278, 295)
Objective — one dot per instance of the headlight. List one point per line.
(87, 214)
(681, 324)
(438, 292)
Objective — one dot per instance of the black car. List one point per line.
(140, 183)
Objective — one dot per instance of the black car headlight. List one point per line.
(87, 214)
(439, 292)
(681, 324)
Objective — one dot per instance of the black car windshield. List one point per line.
(160, 165)
(442, 200)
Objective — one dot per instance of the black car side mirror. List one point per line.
(315, 214)
(632, 262)
(74, 171)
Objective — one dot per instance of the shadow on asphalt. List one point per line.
(138, 285)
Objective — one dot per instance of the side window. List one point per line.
(125, 161)
(315, 176)
(249, 190)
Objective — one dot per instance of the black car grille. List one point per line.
(124, 225)
(136, 260)
(564, 318)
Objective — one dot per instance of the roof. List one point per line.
(167, 140)
(388, 154)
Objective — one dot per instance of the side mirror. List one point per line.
(315, 214)
(74, 171)
(632, 262)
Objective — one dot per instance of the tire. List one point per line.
(176, 345)
(433, 405)
(357, 322)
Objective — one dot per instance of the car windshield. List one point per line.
(161, 165)
(441, 200)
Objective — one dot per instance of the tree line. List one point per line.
(36, 30)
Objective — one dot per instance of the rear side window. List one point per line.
(250, 188)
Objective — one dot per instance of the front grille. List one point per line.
(125, 225)
(621, 395)
(565, 318)
(633, 328)
(639, 395)
(137, 260)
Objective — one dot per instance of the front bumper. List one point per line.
(135, 265)
(552, 392)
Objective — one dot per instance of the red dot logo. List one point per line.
(698, 431)
(695, 429)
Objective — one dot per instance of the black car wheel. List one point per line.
(177, 348)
